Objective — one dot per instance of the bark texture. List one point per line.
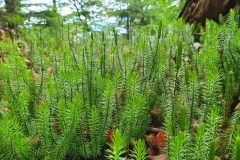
(200, 10)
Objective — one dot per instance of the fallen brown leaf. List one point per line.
(161, 141)
(110, 136)
(2, 60)
(150, 139)
(28, 63)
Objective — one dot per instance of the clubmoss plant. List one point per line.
(66, 100)
(117, 148)
(236, 154)
(139, 151)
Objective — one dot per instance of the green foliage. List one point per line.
(15, 20)
(212, 150)
(134, 115)
(117, 148)
(184, 125)
(68, 117)
(139, 150)
(14, 144)
(43, 128)
(176, 147)
(79, 89)
(12, 17)
(237, 148)
(81, 10)
(95, 128)
(193, 91)
(179, 56)
(199, 150)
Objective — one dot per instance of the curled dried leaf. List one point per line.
(161, 140)
(150, 139)
(110, 136)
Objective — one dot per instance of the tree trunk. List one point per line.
(200, 10)
(54, 6)
(12, 7)
(128, 27)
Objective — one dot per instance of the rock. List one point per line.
(197, 45)
(226, 157)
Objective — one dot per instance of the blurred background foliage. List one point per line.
(124, 14)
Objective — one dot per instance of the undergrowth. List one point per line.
(78, 89)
